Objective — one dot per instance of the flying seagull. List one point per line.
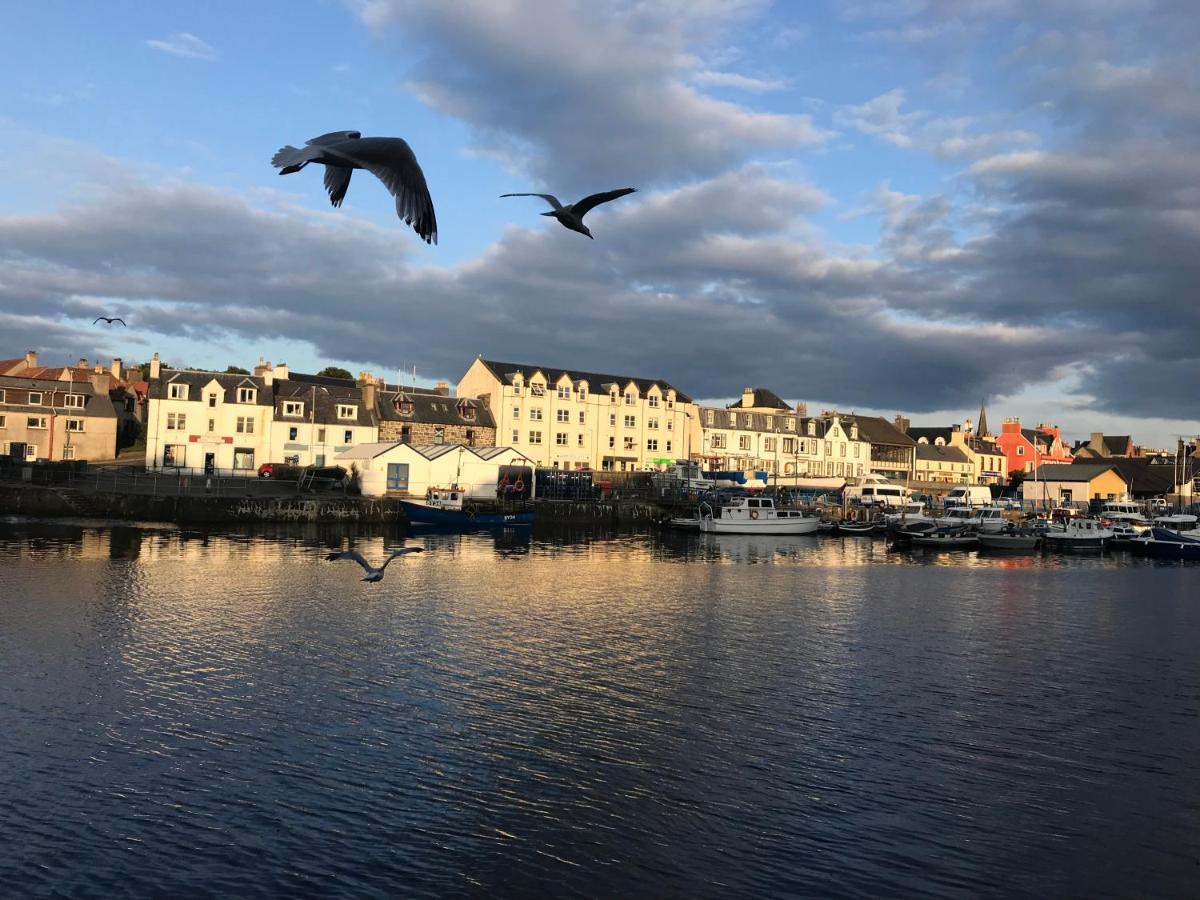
(109, 320)
(390, 160)
(571, 216)
(373, 574)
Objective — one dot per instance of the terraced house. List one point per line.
(48, 419)
(570, 419)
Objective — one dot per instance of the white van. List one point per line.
(875, 490)
(969, 495)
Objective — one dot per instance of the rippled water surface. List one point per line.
(225, 714)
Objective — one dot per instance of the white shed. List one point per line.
(388, 467)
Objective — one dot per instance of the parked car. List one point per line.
(279, 471)
(318, 477)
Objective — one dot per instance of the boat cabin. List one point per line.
(445, 498)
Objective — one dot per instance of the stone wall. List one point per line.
(424, 433)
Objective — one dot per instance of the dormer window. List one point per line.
(652, 400)
(177, 391)
(854, 432)
(466, 411)
(629, 398)
(537, 389)
(246, 395)
(582, 393)
(404, 406)
(74, 401)
(293, 408)
(812, 429)
(733, 420)
(612, 397)
(671, 400)
(346, 411)
(564, 392)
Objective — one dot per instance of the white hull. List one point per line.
(805, 525)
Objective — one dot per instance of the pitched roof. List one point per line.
(941, 454)
(198, 380)
(1117, 444)
(930, 434)
(762, 399)
(981, 425)
(433, 408)
(505, 370)
(95, 404)
(879, 430)
(1074, 471)
(327, 395)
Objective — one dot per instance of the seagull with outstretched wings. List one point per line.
(390, 160)
(571, 216)
(373, 574)
(109, 320)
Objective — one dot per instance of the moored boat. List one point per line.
(855, 528)
(754, 515)
(1077, 534)
(1011, 539)
(946, 539)
(452, 506)
(1161, 543)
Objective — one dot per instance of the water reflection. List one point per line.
(599, 713)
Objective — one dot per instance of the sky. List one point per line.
(911, 206)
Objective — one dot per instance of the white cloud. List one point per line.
(185, 45)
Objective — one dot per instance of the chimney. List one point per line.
(281, 371)
(31, 359)
(747, 397)
(967, 425)
(442, 388)
(802, 410)
(82, 364)
(115, 369)
(155, 368)
(99, 382)
(266, 373)
(366, 384)
(902, 423)
(261, 368)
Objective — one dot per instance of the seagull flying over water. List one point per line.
(373, 574)
(571, 216)
(109, 320)
(390, 160)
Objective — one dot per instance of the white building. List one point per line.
(410, 469)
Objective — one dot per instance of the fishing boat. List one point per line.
(1077, 534)
(452, 506)
(980, 518)
(1011, 539)
(684, 523)
(946, 539)
(754, 515)
(901, 535)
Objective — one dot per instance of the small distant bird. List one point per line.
(109, 320)
(571, 216)
(390, 160)
(373, 574)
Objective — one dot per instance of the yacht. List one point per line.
(754, 515)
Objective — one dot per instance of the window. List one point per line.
(628, 398)
(812, 429)
(717, 442)
(612, 443)
(829, 448)
(651, 443)
(612, 397)
(35, 398)
(857, 450)
(293, 433)
(245, 424)
(564, 392)
(771, 423)
(73, 401)
(212, 425)
(68, 452)
(563, 415)
(246, 395)
(769, 445)
(748, 420)
(3, 421)
(3, 396)
(74, 424)
(710, 416)
(652, 423)
(579, 441)
(582, 417)
(733, 420)
(31, 451)
(176, 421)
(582, 393)
(630, 421)
(405, 407)
(516, 436)
(842, 448)
(321, 434)
(671, 401)
(212, 399)
(854, 432)
(744, 442)
(1020, 451)
(439, 436)
(537, 389)
(628, 443)
(466, 411)
(560, 438)
(348, 436)
(346, 411)
(536, 414)
(668, 446)
(177, 391)
(652, 400)
(670, 424)
(789, 445)
(243, 459)
(535, 437)
(612, 420)
(516, 412)
(292, 408)
(470, 437)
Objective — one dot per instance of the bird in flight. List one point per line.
(571, 215)
(373, 574)
(390, 160)
(109, 320)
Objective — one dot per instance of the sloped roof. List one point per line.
(1117, 444)
(367, 451)
(504, 371)
(326, 394)
(931, 452)
(198, 380)
(1074, 471)
(763, 399)
(879, 430)
(930, 434)
(432, 408)
(95, 404)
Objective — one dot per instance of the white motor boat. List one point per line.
(987, 519)
(1077, 534)
(755, 515)
(1180, 523)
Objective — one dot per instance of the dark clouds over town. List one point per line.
(1045, 245)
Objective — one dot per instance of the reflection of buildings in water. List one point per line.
(125, 543)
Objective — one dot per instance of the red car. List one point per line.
(280, 471)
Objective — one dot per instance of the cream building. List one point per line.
(569, 419)
(49, 419)
(763, 433)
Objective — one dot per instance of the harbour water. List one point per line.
(204, 713)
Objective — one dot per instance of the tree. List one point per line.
(236, 370)
(335, 372)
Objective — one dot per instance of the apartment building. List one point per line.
(53, 420)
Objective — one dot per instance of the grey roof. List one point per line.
(1117, 444)
(326, 394)
(505, 370)
(95, 405)
(1074, 471)
(758, 420)
(879, 430)
(763, 398)
(433, 408)
(930, 434)
(942, 454)
(197, 380)
(1036, 437)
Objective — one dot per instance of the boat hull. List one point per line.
(1013, 543)
(760, 526)
(420, 514)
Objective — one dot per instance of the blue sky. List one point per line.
(892, 207)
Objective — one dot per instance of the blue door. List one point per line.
(397, 478)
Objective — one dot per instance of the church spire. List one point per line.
(981, 429)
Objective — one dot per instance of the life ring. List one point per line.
(754, 513)
(519, 485)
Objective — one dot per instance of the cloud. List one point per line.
(185, 45)
(583, 95)
(739, 82)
